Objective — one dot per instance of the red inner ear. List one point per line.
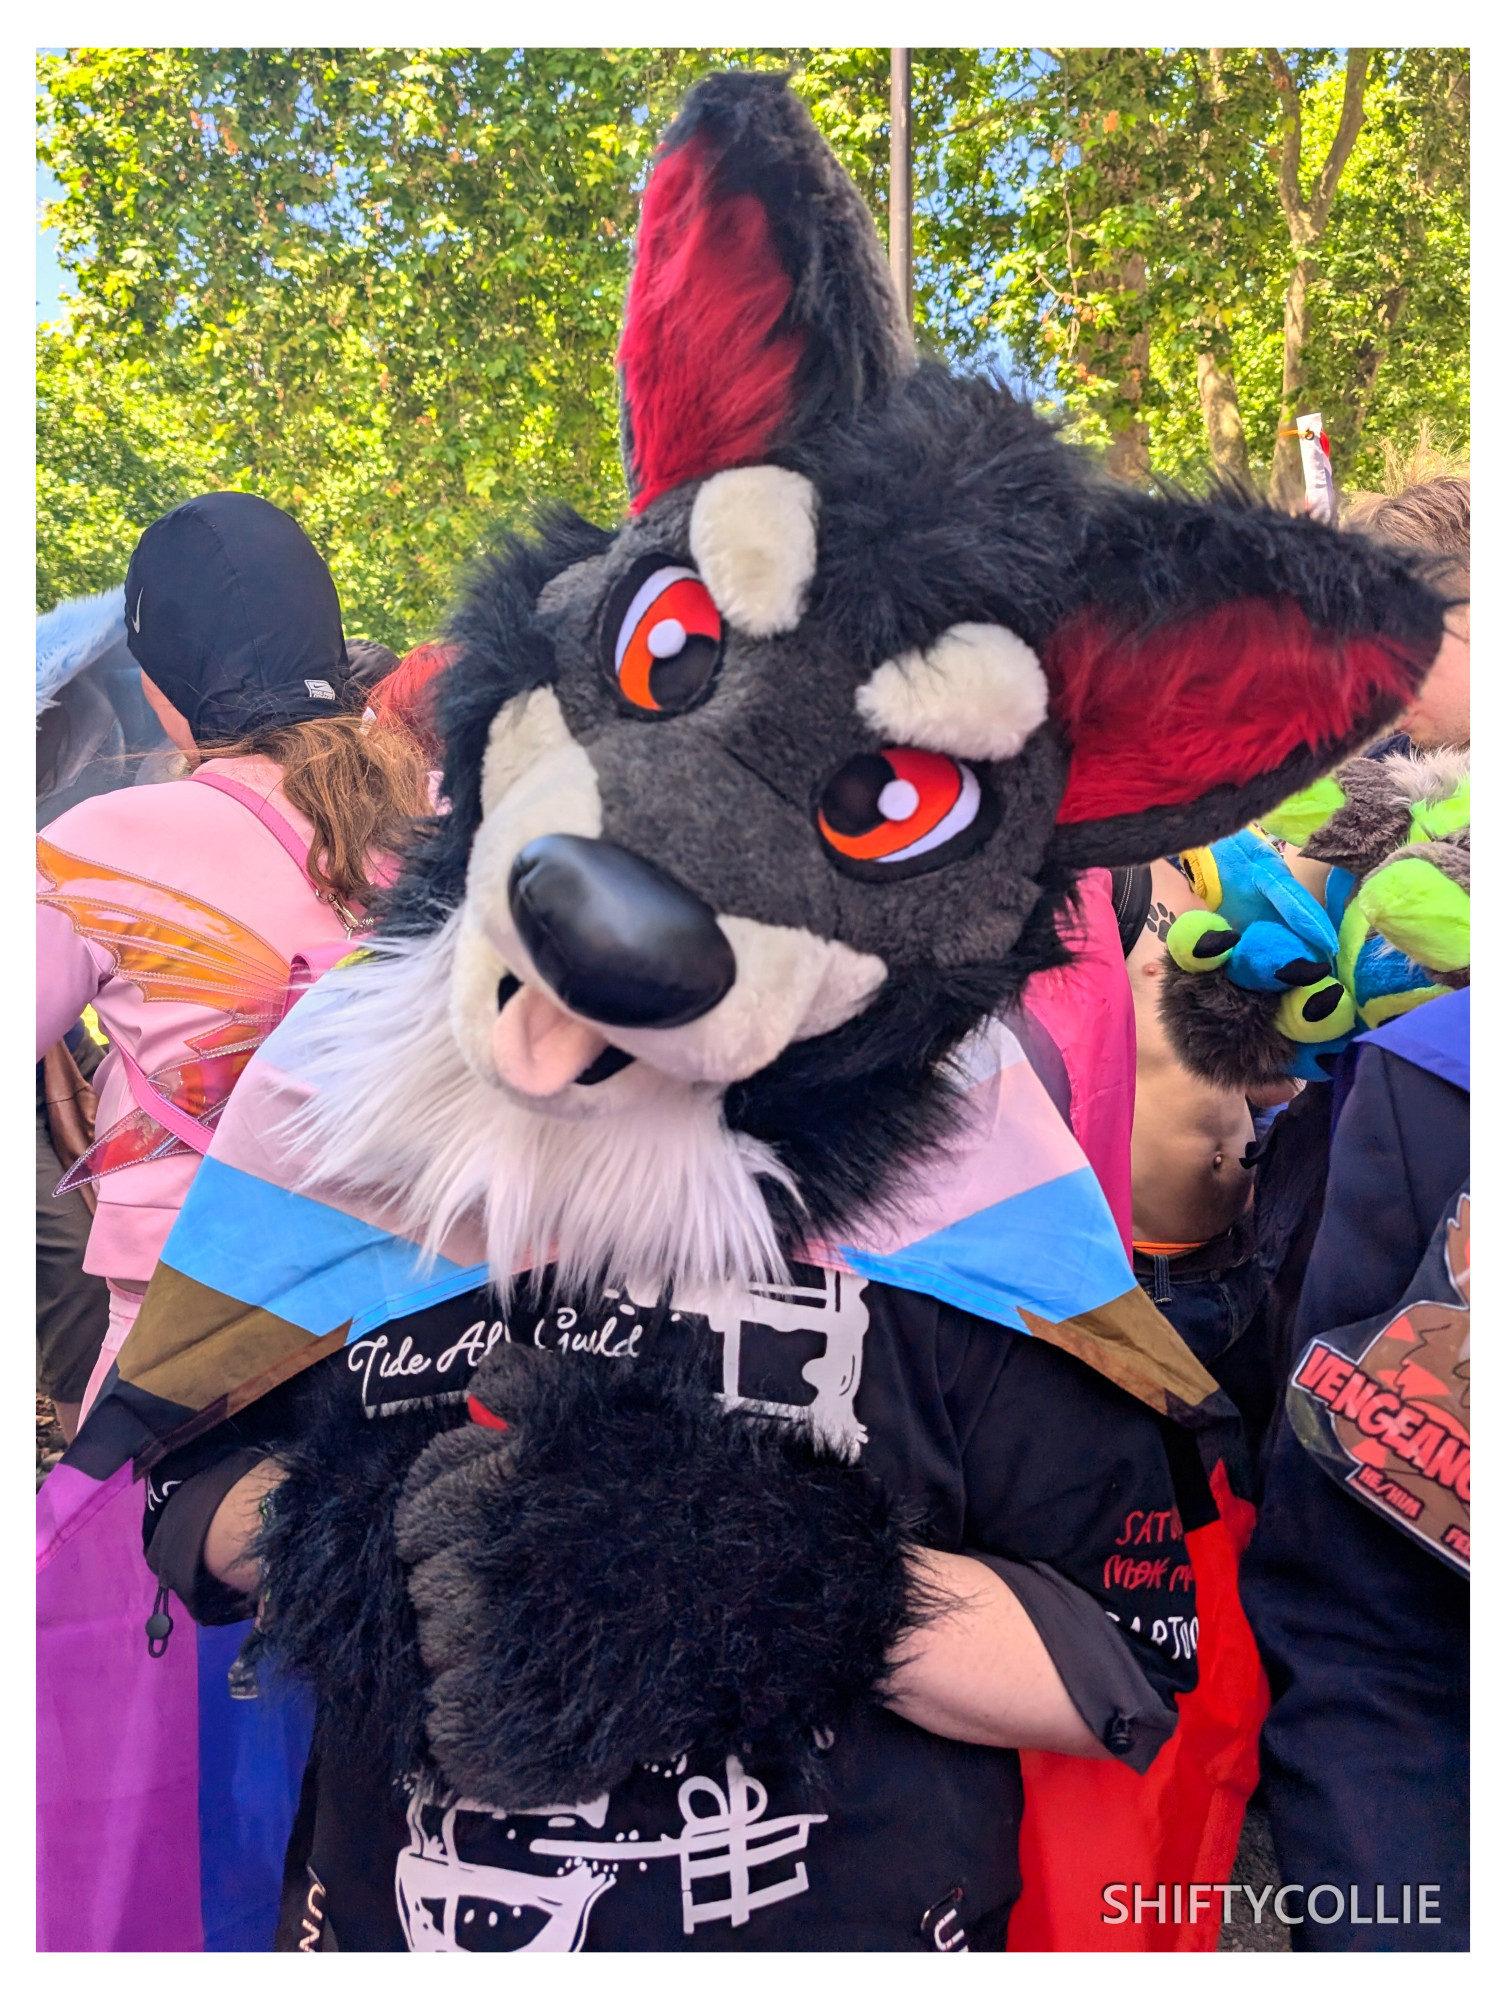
(1214, 700)
(706, 386)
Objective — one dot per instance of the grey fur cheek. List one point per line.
(761, 857)
(971, 911)
(722, 798)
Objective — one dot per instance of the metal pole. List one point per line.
(901, 226)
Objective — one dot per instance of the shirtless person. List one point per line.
(1191, 1192)
(1189, 1136)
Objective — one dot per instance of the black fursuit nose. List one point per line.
(616, 938)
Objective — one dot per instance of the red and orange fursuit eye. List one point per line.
(893, 813)
(661, 638)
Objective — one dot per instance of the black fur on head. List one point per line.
(934, 666)
(758, 139)
(947, 502)
(629, 1572)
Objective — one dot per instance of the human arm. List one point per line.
(203, 1509)
(1075, 1498)
(69, 975)
(234, 1526)
(980, 1672)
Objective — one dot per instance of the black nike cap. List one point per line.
(232, 612)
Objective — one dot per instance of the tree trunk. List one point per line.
(1287, 487)
(1226, 428)
(1306, 220)
(1128, 453)
(901, 199)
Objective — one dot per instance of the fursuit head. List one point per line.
(762, 802)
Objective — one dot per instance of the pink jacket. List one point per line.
(178, 917)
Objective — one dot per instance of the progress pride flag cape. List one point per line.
(164, 1806)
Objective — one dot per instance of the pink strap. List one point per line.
(307, 966)
(264, 810)
(150, 1099)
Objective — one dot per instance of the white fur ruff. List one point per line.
(663, 1195)
(1428, 776)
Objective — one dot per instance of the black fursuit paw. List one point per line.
(336, 1607)
(1224, 1033)
(629, 1571)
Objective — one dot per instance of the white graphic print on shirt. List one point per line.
(450, 1895)
(449, 1902)
(831, 1304)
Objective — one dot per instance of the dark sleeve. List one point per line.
(1107, 1685)
(1400, 1149)
(177, 1526)
(183, 1493)
(1076, 1496)
(1365, 1639)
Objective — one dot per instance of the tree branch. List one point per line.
(1351, 118)
(1288, 178)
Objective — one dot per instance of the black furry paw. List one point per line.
(337, 1611)
(629, 1571)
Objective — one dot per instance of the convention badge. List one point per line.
(1383, 1405)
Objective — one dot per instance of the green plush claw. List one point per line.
(1420, 910)
(1298, 818)
(1386, 1006)
(1437, 818)
(1354, 928)
(1200, 942)
(1316, 1013)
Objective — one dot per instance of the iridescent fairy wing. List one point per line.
(169, 944)
(173, 947)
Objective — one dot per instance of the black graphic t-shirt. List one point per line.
(1019, 1455)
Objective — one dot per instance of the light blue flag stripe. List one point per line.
(1054, 1250)
(301, 1259)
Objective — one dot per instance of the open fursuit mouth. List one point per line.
(539, 1048)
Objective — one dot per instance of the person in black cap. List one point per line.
(234, 620)
(190, 915)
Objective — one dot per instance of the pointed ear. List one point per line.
(1224, 656)
(760, 305)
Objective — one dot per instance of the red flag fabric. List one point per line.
(1091, 1827)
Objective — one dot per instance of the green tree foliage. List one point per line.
(393, 278)
(1116, 216)
(382, 286)
(118, 443)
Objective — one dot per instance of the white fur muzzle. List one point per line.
(790, 983)
(665, 1195)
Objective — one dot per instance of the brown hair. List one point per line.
(1432, 516)
(360, 786)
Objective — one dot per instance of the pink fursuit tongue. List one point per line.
(539, 1048)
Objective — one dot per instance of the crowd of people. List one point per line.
(1260, 1046)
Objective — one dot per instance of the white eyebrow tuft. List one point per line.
(753, 539)
(977, 691)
